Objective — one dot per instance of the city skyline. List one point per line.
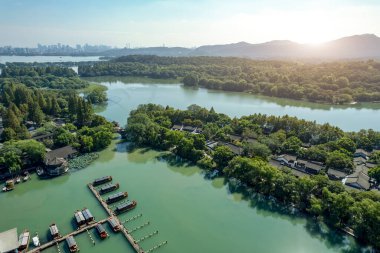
(182, 23)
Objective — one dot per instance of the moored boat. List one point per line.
(18, 180)
(129, 205)
(116, 197)
(72, 244)
(9, 185)
(109, 188)
(114, 224)
(102, 180)
(79, 218)
(54, 232)
(26, 177)
(23, 240)
(102, 232)
(87, 215)
(36, 240)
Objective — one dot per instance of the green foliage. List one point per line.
(222, 156)
(335, 82)
(291, 145)
(97, 96)
(16, 154)
(206, 163)
(191, 80)
(375, 173)
(257, 149)
(328, 200)
(8, 134)
(339, 161)
(375, 157)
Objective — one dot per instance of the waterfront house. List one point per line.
(309, 167)
(210, 145)
(288, 160)
(64, 152)
(336, 174)
(177, 127)
(361, 182)
(361, 153)
(56, 160)
(43, 137)
(189, 129)
(235, 149)
(234, 138)
(359, 160)
(9, 241)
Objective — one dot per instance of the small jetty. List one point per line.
(108, 188)
(128, 236)
(86, 221)
(62, 238)
(116, 197)
(102, 180)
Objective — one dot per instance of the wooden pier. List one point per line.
(127, 235)
(62, 238)
(86, 227)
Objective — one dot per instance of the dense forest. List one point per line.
(28, 111)
(150, 125)
(333, 82)
(52, 77)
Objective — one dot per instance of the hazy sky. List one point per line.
(183, 23)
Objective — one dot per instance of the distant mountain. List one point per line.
(354, 47)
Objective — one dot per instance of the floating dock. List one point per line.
(62, 238)
(85, 227)
(127, 235)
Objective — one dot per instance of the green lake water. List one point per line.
(192, 213)
(125, 97)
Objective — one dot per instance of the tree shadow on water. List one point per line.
(266, 206)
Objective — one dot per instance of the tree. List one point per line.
(34, 150)
(10, 157)
(11, 120)
(8, 134)
(191, 80)
(63, 137)
(375, 174)
(97, 96)
(292, 145)
(35, 113)
(222, 155)
(86, 143)
(347, 144)
(257, 149)
(339, 161)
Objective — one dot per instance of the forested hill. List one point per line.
(366, 46)
(334, 82)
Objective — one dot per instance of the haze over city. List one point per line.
(183, 23)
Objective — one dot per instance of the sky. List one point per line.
(144, 23)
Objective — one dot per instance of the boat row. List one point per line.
(83, 217)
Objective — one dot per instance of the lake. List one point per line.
(192, 213)
(126, 94)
